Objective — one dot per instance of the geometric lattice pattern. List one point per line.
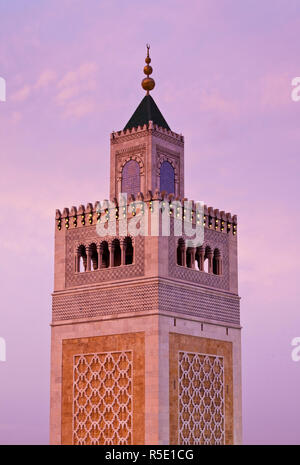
(102, 398)
(201, 418)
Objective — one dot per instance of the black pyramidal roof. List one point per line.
(145, 112)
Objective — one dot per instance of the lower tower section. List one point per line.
(146, 379)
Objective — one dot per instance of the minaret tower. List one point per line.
(145, 328)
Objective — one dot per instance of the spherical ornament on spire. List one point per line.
(148, 83)
(148, 70)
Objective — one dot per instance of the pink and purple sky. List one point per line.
(223, 71)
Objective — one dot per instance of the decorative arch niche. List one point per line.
(131, 178)
(167, 177)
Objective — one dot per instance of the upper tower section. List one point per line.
(146, 155)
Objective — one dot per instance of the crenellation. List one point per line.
(150, 127)
(81, 209)
(157, 195)
(73, 211)
(214, 219)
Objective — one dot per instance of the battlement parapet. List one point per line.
(187, 210)
(117, 136)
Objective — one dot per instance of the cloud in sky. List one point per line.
(276, 90)
(46, 77)
(26, 90)
(75, 89)
(22, 94)
(78, 108)
(72, 92)
(84, 74)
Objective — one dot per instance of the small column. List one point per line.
(95, 261)
(193, 257)
(88, 264)
(218, 265)
(118, 185)
(210, 261)
(176, 193)
(123, 252)
(143, 182)
(111, 254)
(201, 256)
(99, 256)
(183, 255)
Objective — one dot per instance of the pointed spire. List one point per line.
(148, 83)
(147, 109)
(145, 112)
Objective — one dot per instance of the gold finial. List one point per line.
(148, 83)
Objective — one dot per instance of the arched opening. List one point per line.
(131, 182)
(199, 257)
(116, 252)
(189, 257)
(207, 259)
(81, 259)
(104, 255)
(128, 251)
(197, 260)
(205, 268)
(94, 256)
(205, 265)
(217, 262)
(167, 178)
(180, 252)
